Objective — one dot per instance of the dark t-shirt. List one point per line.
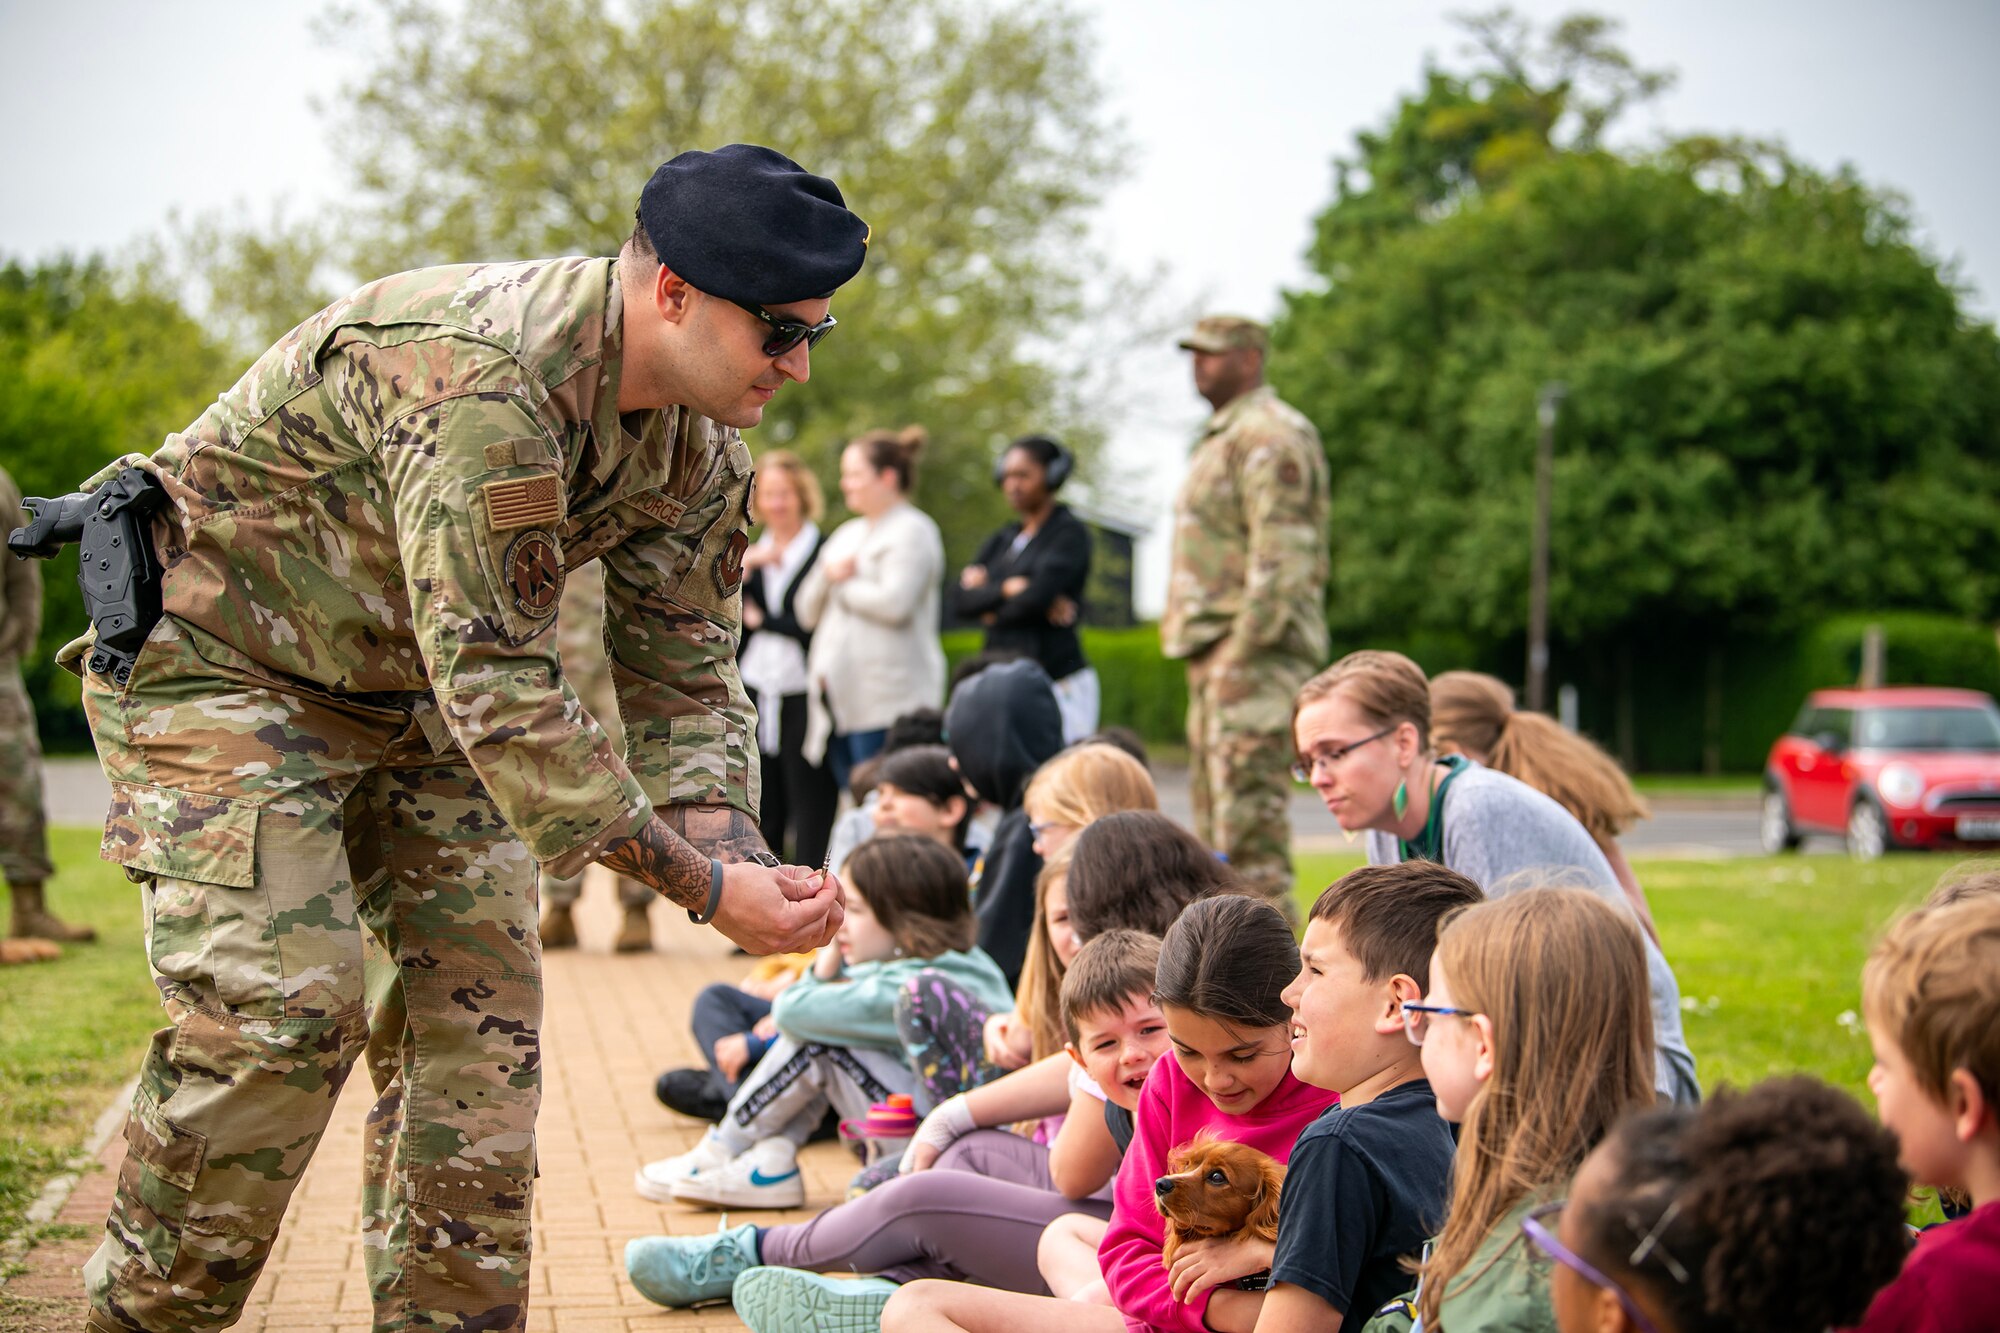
(1120, 1122)
(1365, 1187)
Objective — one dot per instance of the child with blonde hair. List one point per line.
(1537, 1038)
(1931, 996)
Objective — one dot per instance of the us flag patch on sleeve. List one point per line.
(523, 502)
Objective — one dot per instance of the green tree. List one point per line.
(970, 136)
(91, 367)
(1778, 406)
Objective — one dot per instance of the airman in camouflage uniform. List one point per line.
(1246, 605)
(350, 722)
(24, 842)
(587, 667)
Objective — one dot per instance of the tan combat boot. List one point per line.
(636, 934)
(28, 951)
(558, 927)
(33, 921)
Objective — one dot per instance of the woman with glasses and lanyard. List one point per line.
(1026, 583)
(1362, 732)
(871, 603)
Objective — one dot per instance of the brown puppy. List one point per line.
(1215, 1189)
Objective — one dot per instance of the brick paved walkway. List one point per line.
(612, 1023)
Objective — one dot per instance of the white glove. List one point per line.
(940, 1129)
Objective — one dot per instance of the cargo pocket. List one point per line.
(209, 922)
(149, 1211)
(181, 835)
(710, 759)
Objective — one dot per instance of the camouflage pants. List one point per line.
(580, 638)
(24, 842)
(323, 879)
(1239, 760)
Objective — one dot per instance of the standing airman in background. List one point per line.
(24, 842)
(587, 665)
(1246, 605)
(350, 721)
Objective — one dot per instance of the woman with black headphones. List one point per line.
(1026, 584)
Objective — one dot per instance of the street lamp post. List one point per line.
(1547, 404)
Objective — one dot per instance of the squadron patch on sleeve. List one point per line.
(729, 564)
(534, 574)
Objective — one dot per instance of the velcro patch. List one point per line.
(523, 502)
(534, 574)
(656, 505)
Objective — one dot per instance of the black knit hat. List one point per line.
(749, 224)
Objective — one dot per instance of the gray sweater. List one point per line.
(1504, 835)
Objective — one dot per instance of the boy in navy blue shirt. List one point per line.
(1368, 1180)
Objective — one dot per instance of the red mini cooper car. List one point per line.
(1896, 767)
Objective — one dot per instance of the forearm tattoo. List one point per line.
(658, 857)
(671, 852)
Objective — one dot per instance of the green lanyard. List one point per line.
(1429, 845)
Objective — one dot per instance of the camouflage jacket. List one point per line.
(20, 583)
(388, 500)
(1250, 535)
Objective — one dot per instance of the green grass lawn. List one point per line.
(70, 1031)
(1768, 951)
(1712, 785)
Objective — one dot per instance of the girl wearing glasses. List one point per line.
(1536, 1040)
(1779, 1209)
(1362, 732)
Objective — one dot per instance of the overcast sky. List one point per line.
(121, 113)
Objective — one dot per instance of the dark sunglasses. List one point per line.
(787, 333)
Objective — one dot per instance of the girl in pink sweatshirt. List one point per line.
(1223, 968)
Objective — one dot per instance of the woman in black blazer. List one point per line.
(797, 794)
(1026, 583)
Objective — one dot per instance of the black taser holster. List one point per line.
(120, 575)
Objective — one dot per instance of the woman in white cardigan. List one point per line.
(872, 604)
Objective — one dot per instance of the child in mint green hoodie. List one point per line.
(837, 1044)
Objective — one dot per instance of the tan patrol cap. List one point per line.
(1221, 333)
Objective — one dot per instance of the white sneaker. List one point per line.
(656, 1180)
(767, 1176)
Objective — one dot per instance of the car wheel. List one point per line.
(1867, 830)
(1775, 825)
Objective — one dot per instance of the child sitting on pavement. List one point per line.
(1222, 969)
(837, 1041)
(1115, 1034)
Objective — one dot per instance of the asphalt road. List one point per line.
(1701, 828)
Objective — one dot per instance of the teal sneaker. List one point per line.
(685, 1270)
(784, 1300)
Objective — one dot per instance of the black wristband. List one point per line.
(714, 895)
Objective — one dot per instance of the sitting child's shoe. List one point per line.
(777, 1300)
(767, 1176)
(684, 1270)
(656, 1180)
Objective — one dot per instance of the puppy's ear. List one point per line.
(1263, 1220)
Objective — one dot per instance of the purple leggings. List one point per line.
(976, 1216)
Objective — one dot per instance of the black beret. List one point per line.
(749, 224)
